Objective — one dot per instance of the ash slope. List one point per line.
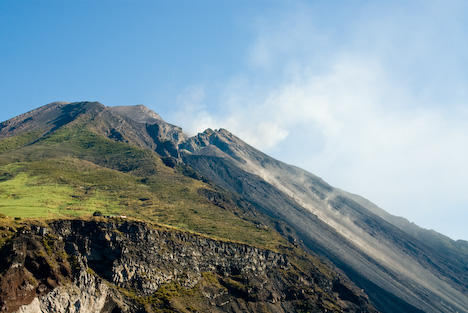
(396, 269)
(71, 159)
(401, 268)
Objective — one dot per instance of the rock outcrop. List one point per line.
(114, 265)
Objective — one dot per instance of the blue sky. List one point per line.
(370, 95)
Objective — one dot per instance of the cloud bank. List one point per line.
(373, 99)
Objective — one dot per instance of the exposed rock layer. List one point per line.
(110, 265)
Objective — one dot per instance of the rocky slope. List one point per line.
(114, 265)
(399, 271)
(400, 266)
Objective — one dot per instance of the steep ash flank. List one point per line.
(456, 252)
(401, 267)
(116, 266)
(376, 250)
(320, 238)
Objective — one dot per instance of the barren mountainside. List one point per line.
(246, 232)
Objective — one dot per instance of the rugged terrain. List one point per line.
(71, 159)
(115, 265)
(398, 269)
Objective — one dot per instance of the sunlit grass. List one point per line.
(17, 141)
(21, 197)
(75, 172)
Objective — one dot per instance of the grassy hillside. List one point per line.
(74, 172)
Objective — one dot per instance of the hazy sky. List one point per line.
(370, 95)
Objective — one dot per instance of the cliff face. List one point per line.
(88, 293)
(111, 265)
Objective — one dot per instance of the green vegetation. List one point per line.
(169, 298)
(75, 172)
(236, 286)
(17, 141)
(87, 145)
(25, 197)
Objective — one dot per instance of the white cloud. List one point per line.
(289, 38)
(405, 156)
(192, 112)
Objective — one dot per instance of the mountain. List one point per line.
(397, 270)
(71, 159)
(121, 225)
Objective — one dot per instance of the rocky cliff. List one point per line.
(114, 265)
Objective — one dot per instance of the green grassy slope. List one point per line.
(74, 172)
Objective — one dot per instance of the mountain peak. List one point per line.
(138, 113)
(400, 267)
